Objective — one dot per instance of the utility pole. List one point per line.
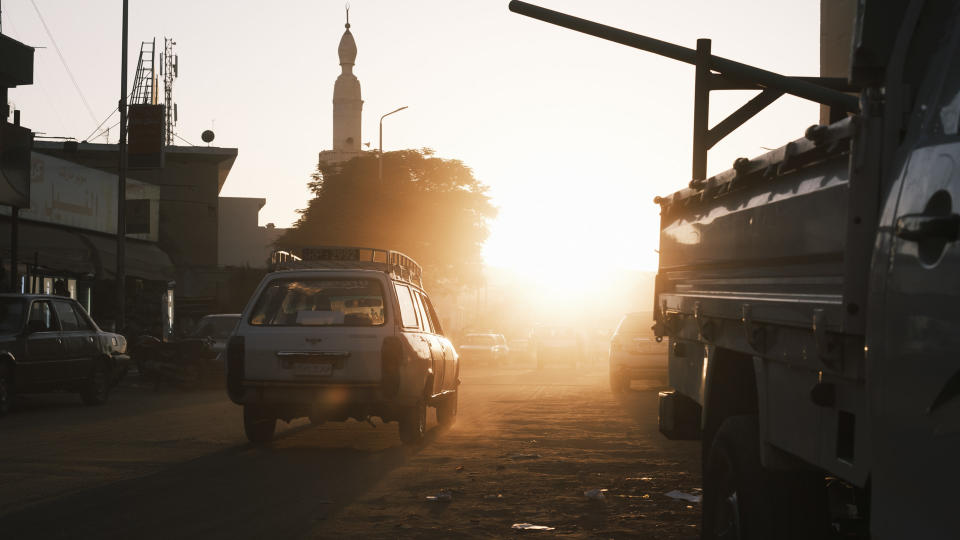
(122, 184)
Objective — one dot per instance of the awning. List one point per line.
(49, 247)
(145, 260)
(83, 254)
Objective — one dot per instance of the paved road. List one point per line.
(176, 464)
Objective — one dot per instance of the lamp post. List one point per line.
(380, 155)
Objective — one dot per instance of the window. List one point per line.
(422, 313)
(11, 315)
(319, 302)
(434, 320)
(69, 321)
(41, 317)
(408, 313)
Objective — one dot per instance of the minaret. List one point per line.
(347, 105)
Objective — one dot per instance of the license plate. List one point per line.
(311, 369)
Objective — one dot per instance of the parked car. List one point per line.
(632, 349)
(345, 333)
(556, 345)
(50, 343)
(489, 349)
(217, 328)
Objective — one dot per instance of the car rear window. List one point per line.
(635, 324)
(320, 302)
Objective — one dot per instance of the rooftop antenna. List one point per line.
(347, 7)
(169, 68)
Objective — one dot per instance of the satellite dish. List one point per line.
(207, 136)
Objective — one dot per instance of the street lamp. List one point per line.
(380, 155)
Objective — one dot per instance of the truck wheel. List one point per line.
(742, 500)
(258, 424)
(447, 410)
(6, 389)
(97, 388)
(413, 423)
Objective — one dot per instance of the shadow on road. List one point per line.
(282, 490)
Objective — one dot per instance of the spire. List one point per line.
(348, 47)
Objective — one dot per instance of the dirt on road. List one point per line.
(526, 447)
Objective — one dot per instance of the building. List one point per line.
(242, 241)
(347, 104)
(182, 217)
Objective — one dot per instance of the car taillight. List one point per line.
(235, 368)
(391, 358)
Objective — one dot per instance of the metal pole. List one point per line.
(701, 110)
(380, 155)
(122, 183)
(762, 77)
(14, 247)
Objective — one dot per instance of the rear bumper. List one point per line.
(628, 362)
(332, 400)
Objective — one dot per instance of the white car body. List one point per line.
(342, 361)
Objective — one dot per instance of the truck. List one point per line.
(811, 296)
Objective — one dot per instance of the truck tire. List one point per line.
(742, 500)
(258, 424)
(447, 410)
(413, 423)
(97, 389)
(6, 389)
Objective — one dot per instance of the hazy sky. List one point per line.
(575, 135)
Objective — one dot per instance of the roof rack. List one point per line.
(398, 265)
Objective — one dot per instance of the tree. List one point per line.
(432, 209)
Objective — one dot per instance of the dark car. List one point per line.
(50, 343)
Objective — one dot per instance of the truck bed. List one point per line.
(769, 234)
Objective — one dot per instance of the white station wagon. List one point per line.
(342, 333)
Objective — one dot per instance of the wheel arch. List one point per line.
(729, 389)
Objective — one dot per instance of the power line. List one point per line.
(113, 112)
(64, 61)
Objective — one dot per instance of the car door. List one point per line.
(914, 355)
(44, 346)
(450, 360)
(428, 335)
(78, 339)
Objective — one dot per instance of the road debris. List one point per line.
(445, 495)
(531, 527)
(493, 497)
(525, 456)
(674, 494)
(596, 494)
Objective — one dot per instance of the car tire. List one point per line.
(6, 389)
(743, 500)
(413, 423)
(97, 388)
(447, 410)
(258, 424)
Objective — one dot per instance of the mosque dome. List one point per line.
(348, 48)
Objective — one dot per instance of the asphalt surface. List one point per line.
(525, 448)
